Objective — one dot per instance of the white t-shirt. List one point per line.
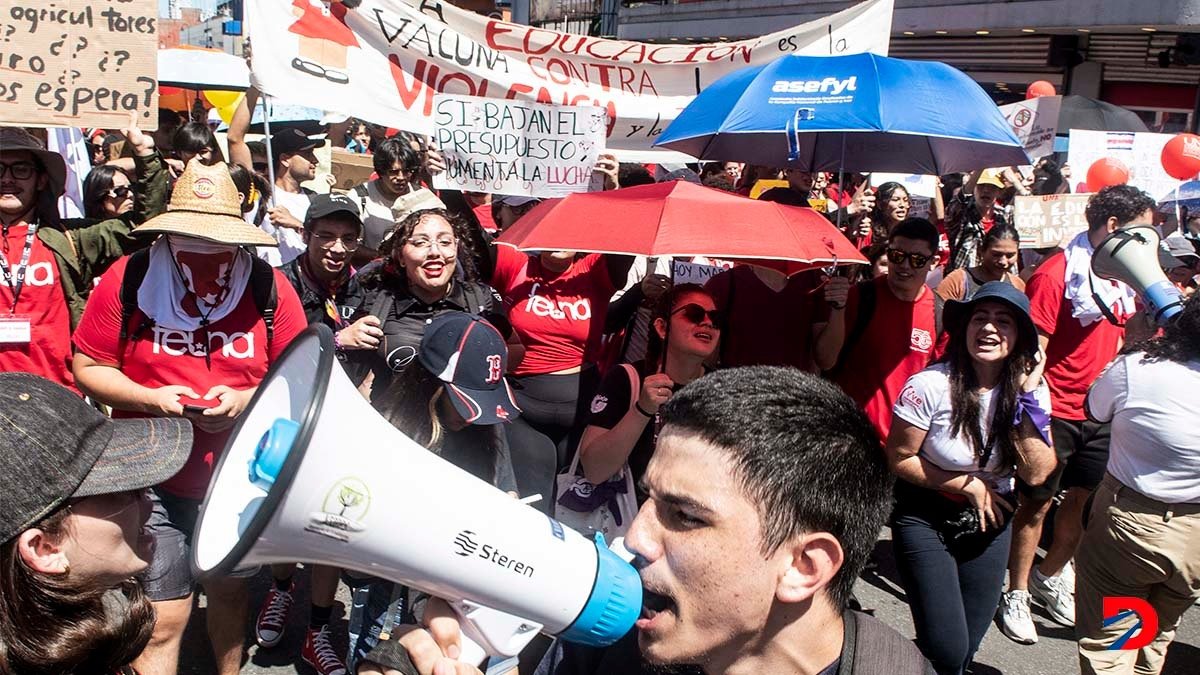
(924, 402)
(1155, 444)
(291, 242)
(377, 219)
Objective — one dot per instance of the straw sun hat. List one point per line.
(205, 205)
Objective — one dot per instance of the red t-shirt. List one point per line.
(897, 344)
(159, 357)
(765, 327)
(483, 213)
(1075, 354)
(43, 304)
(560, 319)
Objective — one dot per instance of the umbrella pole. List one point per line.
(1178, 214)
(270, 154)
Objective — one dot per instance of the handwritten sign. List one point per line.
(349, 169)
(1034, 121)
(79, 63)
(693, 273)
(515, 147)
(1140, 152)
(917, 186)
(1049, 220)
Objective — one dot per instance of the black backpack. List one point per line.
(262, 289)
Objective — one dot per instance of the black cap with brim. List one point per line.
(483, 406)
(325, 205)
(956, 312)
(54, 446)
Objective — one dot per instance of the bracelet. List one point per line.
(638, 405)
(337, 341)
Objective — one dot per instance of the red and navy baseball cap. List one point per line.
(469, 355)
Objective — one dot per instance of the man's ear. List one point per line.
(811, 562)
(660, 327)
(41, 552)
(1112, 225)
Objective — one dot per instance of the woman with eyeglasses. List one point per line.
(72, 532)
(963, 429)
(623, 426)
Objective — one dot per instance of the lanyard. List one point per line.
(22, 267)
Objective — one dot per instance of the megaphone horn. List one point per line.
(313, 474)
(1130, 255)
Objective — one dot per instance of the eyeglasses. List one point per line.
(695, 314)
(119, 192)
(895, 256)
(328, 241)
(18, 170)
(421, 243)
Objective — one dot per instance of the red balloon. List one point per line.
(1181, 156)
(1106, 172)
(1039, 88)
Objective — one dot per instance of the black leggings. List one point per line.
(543, 439)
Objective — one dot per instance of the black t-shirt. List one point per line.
(612, 402)
(468, 450)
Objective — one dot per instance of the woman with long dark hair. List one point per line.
(997, 262)
(71, 532)
(892, 205)
(623, 425)
(962, 430)
(459, 417)
(107, 193)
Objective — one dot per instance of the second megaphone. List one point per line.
(1131, 255)
(313, 474)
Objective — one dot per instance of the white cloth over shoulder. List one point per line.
(163, 297)
(1080, 283)
(1155, 443)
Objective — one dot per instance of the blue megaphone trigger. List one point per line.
(614, 605)
(272, 450)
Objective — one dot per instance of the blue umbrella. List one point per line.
(1187, 195)
(859, 112)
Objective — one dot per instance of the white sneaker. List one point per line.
(1015, 621)
(1056, 597)
(1068, 575)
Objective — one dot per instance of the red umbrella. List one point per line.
(683, 219)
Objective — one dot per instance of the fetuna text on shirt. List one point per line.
(538, 305)
(174, 342)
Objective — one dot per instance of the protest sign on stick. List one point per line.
(79, 63)
(1049, 220)
(515, 147)
(1035, 122)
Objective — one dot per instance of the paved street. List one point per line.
(1054, 654)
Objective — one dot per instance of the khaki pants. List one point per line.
(1134, 546)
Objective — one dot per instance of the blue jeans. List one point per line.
(371, 606)
(953, 588)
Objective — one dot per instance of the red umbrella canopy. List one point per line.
(678, 218)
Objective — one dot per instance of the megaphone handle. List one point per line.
(490, 632)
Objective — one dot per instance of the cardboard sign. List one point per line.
(1140, 152)
(1034, 121)
(350, 168)
(384, 61)
(79, 63)
(693, 273)
(764, 184)
(1049, 220)
(515, 147)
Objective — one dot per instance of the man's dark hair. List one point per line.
(398, 148)
(804, 454)
(630, 174)
(918, 229)
(194, 137)
(1123, 202)
(257, 148)
(167, 119)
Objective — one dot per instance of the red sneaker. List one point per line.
(272, 616)
(319, 654)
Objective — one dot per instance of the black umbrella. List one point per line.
(1080, 112)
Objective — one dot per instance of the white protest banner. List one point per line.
(79, 63)
(916, 185)
(516, 147)
(1049, 220)
(693, 273)
(384, 61)
(1140, 152)
(1035, 121)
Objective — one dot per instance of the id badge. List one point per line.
(15, 330)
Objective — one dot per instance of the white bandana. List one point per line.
(216, 277)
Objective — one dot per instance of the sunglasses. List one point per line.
(120, 192)
(696, 314)
(895, 256)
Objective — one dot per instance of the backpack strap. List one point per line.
(131, 281)
(862, 318)
(262, 289)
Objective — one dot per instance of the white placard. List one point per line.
(1035, 121)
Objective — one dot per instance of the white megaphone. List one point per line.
(1130, 255)
(313, 474)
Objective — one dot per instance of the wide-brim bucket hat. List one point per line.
(205, 205)
(957, 312)
(15, 138)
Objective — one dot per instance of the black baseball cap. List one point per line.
(54, 447)
(956, 312)
(323, 205)
(291, 141)
(469, 355)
